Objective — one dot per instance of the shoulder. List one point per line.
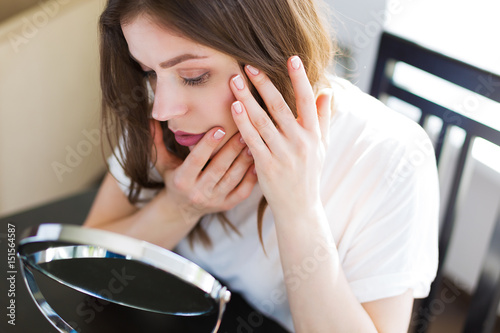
(373, 148)
(357, 108)
(370, 128)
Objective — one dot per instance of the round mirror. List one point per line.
(117, 269)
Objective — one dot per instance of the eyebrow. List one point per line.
(179, 59)
(174, 61)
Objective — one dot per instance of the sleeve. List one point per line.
(395, 246)
(123, 181)
(116, 170)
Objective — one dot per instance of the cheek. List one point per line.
(220, 100)
(227, 103)
(224, 94)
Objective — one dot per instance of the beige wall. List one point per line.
(49, 103)
(9, 8)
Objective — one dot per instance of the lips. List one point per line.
(187, 139)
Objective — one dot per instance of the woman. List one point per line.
(228, 137)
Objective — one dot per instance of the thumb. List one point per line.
(163, 160)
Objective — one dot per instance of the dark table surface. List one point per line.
(85, 312)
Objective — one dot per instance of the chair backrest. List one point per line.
(394, 50)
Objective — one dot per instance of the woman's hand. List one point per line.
(197, 188)
(288, 157)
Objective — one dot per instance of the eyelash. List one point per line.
(197, 80)
(188, 82)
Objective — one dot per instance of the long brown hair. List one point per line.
(261, 33)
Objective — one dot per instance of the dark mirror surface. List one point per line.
(89, 314)
(126, 282)
(131, 283)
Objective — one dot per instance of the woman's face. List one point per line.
(190, 81)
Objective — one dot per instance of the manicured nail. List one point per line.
(253, 70)
(237, 107)
(295, 62)
(241, 140)
(238, 82)
(219, 134)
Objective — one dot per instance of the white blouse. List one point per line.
(381, 195)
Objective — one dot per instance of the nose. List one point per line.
(169, 102)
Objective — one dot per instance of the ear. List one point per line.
(324, 103)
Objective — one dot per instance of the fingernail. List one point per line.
(254, 171)
(249, 152)
(253, 70)
(219, 134)
(241, 140)
(238, 82)
(295, 62)
(237, 107)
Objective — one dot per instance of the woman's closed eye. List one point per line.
(188, 81)
(195, 81)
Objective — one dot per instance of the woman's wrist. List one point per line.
(177, 212)
(306, 211)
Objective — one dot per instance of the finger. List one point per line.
(201, 153)
(163, 160)
(236, 172)
(257, 116)
(304, 95)
(249, 133)
(324, 107)
(222, 161)
(244, 188)
(276, 104)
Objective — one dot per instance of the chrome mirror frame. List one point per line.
(93, 243)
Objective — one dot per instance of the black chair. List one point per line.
(481, 315)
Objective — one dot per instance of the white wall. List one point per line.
(358, 25)
(463, 29)
(49, 103)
